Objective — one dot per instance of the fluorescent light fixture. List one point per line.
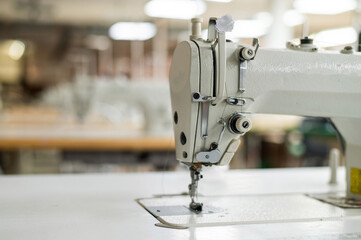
(330, 7)
(293, 18)
(264, 17)
(222, 1)
(16, 50)
(247, 29)
(335, 37)
(177, 9)
(251, 28)
(132, 31)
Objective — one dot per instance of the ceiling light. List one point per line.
(178, 9)
(132, 31)
(223, 1)
(16, 50)
(293, 18)
(248, 29)
(324, 6)
(335, 37)
(252, 28)
(265, 17)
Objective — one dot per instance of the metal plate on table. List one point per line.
(338, 199)
(247, 209)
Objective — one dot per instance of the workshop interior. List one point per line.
(200, 89)
(86, 89)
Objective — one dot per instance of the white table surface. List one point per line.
(102, 206)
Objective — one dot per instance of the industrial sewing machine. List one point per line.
(216, 85)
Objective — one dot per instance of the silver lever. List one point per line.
(214, 155)
(205, 100)
(246, 54)
(242, 75)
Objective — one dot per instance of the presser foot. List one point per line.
(195, 172)
(196, 207)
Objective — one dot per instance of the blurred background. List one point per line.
(84, 84)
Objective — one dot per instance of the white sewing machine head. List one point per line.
(217, 84)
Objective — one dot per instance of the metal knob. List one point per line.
(246, 54)
(239, 124)
(196, 28)
(243, 124)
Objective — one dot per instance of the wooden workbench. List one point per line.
(138, 143)
(42, 127)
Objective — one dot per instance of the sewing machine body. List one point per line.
(277, 81)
